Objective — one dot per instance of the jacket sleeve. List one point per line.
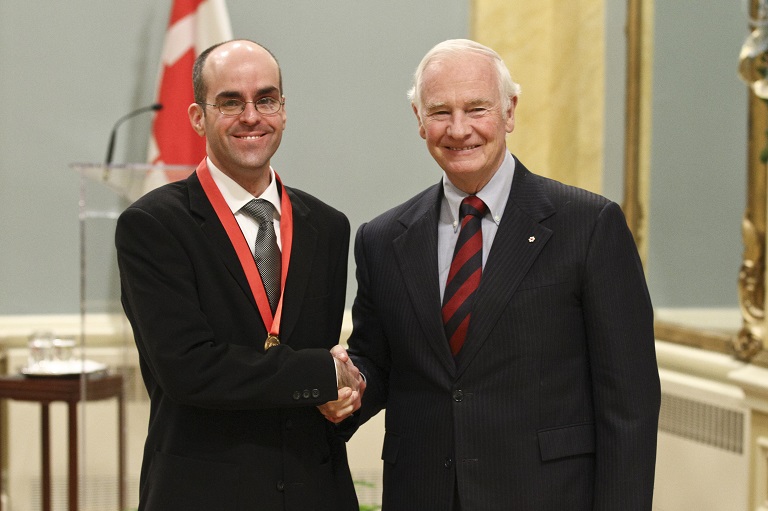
(619, 328)
(172, 296)
(367, 329)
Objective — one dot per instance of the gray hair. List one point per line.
(453, 47)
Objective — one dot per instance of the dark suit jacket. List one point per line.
(232, 427)
(553, 401)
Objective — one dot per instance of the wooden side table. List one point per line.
(72, 390)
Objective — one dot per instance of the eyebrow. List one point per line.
(429, 107)
(479, 101)
(471, 103)
(235, 94)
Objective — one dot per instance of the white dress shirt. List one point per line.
(236, 197)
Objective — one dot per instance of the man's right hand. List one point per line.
(348, 373)
(351, 387)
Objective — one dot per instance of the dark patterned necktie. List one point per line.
(266, 252)
(464, 275)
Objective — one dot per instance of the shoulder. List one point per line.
(561, 193)
(419, 212)
(536, 193)
(163, 200)
(311, 201)
(580, 216)
(312, 207)
(409, 211)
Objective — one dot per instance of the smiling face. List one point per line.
(462, 118)
(241, 146)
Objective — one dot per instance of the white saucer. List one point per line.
(64, 368)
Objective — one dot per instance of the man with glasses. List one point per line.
(234, 285)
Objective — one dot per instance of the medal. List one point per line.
(271, 342)
(244, 254)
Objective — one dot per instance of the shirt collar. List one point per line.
(236, 196)
(494, 194)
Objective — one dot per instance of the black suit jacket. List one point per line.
(553, 401)
(232, 427)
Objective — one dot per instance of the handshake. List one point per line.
(351, 387)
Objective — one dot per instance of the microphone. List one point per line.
(110, 150)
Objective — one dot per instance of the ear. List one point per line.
(422, 131)
(197, 118)
(510, 124)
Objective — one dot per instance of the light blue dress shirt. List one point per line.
(494, 195)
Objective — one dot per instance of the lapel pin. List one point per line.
(531, 239)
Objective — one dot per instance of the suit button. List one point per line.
(297, 395)
(306, 394)
(448, 463)
(280, 486)
(458, 396)
(315, 393)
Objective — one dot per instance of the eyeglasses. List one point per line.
(233, 107)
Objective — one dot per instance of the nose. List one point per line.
(250, 115)
(459, 125)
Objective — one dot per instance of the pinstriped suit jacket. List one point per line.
(553, 401)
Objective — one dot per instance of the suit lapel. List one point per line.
(217, 235)
(300, 269)
(518, 242)
(416, 253)
(302, 253)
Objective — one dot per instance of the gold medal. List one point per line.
(271, 342)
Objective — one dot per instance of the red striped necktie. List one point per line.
(464, 275)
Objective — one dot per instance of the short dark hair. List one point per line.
(199, 86)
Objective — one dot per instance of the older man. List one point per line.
(234, 285)
(503, 321)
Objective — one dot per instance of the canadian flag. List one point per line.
(194, 25)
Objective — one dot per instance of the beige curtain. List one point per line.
(554, 50)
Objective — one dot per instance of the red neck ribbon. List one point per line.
(244, 253)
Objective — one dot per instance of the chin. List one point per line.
(464, 171)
